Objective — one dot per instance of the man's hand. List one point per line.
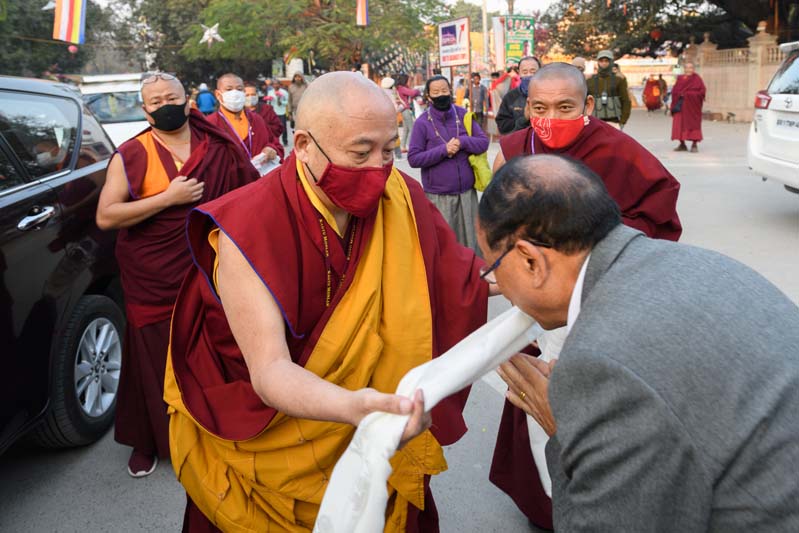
(367, 401)
(269, 152)
(528, 382)
(453, 146)
(183, 190)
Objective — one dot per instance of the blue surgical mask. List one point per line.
(525, 85)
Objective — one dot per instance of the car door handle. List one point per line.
(35, 219)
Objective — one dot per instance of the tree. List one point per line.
(325, 29)
(642, 27)
(474, 12)
(26, 40)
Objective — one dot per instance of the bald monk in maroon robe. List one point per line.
(646, 192)
(250, 329)
(152, 183)
(687, 98)
(241, 124)
(265, 110)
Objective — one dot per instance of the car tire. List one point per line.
(81, 413)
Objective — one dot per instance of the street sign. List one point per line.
(519, 38)
(453, 43)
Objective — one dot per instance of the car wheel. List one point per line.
(85, 376)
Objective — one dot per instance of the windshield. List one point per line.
(786, 80)
(115, 107)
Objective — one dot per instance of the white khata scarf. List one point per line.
(356, 496)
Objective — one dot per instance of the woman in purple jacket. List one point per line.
(440, 146)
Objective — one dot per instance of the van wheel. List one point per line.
(85, 376)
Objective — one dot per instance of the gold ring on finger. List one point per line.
(522, 395)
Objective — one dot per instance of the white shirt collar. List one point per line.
(577, 296)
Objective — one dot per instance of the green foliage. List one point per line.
(258, 31)
(26, 40)
(474, 12)
(646, 27)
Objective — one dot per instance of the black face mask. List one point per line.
(443, 102)
(169, 117)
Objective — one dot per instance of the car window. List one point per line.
(94, 145)
(786, 80)
(9, 176)
(116, 107)
(41, 130)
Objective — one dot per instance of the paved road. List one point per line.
(723, 206)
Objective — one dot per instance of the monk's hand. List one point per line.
(269, 152)
(528, 382)
(367, 401)
(184, 190)
(419, 421)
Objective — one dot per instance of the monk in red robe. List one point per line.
(152, 183)
(646, 192)
(243, 125)
(687, 98)
(653, 98)
(266, 112)
(314, 291)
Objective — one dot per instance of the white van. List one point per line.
(773, 147)
(115, 99)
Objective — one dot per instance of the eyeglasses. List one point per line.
(155, 77)
(487, 274)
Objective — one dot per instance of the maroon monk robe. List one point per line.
(272, 121)
(153, 259)
(686, 125)
(647, 197)
(286, 249)
(259, 135)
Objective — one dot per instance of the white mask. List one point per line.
(233, 100)
(251, 101)
(47, 159)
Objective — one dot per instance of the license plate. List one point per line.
(788, 123)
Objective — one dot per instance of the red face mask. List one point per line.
(557, 133)
(356, 190)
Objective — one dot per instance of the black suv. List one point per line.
(61, 324)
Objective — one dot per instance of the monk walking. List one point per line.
(242, 124)
(646, 193)
(152, 182)
(653, 98)
(687, 98)
(314, 290)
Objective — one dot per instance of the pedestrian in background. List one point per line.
(296, 90)
(687, 98)
(653, 98)
(387, 84)
(609, 90)
(280, 103)
(440, 146)
(579, 63)
(478, 99)
(495, 95)
(406, 97)
(206, 102)
(257, 106)
(511, 116)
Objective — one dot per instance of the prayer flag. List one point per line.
(70, 21)
(362, 13)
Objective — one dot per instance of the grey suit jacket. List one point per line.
(676, 396)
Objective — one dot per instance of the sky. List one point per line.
(520, 6)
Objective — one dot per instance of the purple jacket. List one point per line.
(441, 174)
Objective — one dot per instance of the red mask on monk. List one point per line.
(356, 190)
(557, 133)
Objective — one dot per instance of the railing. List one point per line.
(726, 57)
(774, 55)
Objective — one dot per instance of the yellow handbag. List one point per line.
(479, 162)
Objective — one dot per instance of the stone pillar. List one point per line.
(705, 50)
(691, 53)
(758, 45)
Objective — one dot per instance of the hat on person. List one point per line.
(387, 83)
(203, 87)
(605, 54)
(579, 62)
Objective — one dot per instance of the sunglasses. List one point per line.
(152, 78)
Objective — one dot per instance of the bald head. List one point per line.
(228, 79)
(549, 199)
(336, 97)
(162, 86)
(562, 72)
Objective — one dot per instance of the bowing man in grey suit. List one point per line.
(674, 405)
